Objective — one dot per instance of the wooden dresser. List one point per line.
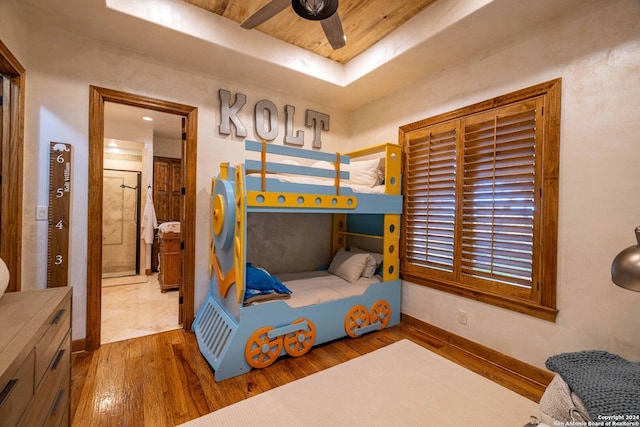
(35, 358)
(170, 265)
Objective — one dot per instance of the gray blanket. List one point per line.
(607, 384)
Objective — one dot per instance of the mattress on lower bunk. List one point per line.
(317, 287)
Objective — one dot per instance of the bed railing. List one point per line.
(392, 156)
(263, 166)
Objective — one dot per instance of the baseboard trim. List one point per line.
(79, 345)
(524, 379)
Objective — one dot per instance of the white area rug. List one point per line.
(402, 384)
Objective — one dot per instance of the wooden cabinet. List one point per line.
(167, 196)
(170, 275)
(167, 188)
(35, 358)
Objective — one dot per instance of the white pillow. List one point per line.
(373, 262)
(290, 162)
(348, 265)
(322, 164)
(4, 277)
(364, 172)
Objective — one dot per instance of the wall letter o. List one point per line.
(262, 107)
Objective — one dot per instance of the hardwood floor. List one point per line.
(162, 379)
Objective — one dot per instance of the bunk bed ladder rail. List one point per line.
(214, 329)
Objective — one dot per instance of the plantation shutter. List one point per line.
(470, 199)
(498, 195)
(430, 198)
(480, 189)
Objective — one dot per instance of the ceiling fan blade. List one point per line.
(333, 30)
(265, 13)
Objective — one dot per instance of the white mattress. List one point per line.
(300, 179)
(317, 287)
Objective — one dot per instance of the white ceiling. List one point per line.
(444, 34)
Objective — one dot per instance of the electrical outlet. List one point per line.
(41, 213)
(462, 317)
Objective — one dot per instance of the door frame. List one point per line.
(12, 140)
(97, 98)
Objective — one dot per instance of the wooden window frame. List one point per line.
(541, 301)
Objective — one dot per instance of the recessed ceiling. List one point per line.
(365, 22)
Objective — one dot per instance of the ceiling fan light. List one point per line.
(315, 10)
(313, 6)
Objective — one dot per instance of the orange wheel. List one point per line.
(357, 317)
(261, 351)
(300, 342)
(381, 312)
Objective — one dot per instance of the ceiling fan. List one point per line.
(325, 11)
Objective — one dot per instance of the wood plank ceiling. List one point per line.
(365, 22)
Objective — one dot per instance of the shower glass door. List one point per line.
(120, 223)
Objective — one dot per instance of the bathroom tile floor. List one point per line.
(137, 309)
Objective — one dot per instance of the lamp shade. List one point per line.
(4, 277)
(625, 269)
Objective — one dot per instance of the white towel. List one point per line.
(149, 221)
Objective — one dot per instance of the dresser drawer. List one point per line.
(60, 409)
(57, 327)
(51, 391)
(16, 392)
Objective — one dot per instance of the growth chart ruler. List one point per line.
(58, 225)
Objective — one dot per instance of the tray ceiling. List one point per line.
(365, 22)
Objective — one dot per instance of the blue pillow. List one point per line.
(259, 279)
(379, 270)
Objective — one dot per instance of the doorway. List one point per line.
(98, 98)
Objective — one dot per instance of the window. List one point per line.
(480, 200)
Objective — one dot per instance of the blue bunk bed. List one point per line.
(235, 337)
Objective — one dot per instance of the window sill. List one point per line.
(530, 308)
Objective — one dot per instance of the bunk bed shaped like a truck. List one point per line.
(235, 336)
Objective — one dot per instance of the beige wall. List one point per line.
(596, 52)
(166, 147)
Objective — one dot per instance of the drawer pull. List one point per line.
(7, 390)
(54, 410)
(56, 319)
(58, 358)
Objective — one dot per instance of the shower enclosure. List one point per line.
(120, 223)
